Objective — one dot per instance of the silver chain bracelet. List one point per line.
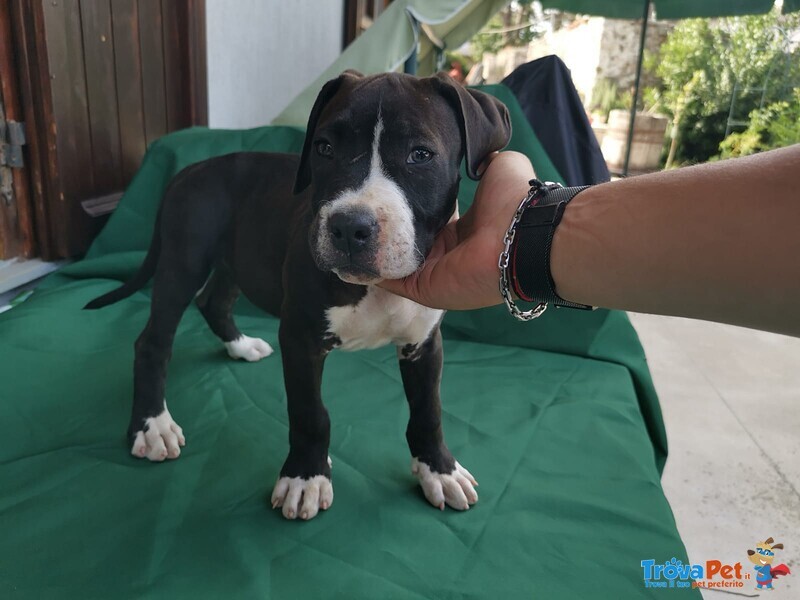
(505, 256)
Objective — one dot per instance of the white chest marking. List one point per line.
(381, 318)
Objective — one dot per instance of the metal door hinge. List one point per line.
(12, 139)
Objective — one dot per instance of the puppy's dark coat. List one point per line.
(376, 180)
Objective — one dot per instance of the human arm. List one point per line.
(719, 241)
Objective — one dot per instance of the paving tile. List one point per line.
(726, 487)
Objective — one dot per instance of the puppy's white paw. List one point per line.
(249, 348)
(160, 438)
(455, 489)
(302, 497)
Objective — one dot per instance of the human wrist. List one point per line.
(530, 273)
(566, 263)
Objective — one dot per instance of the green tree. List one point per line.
(775, 126)
(704, 60)
(606, 97)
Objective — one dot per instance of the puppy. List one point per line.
(306, 239)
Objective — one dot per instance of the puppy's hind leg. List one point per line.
(152, 432)
(216, 304)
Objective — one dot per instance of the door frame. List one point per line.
(18, 236)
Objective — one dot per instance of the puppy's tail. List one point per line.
(139, 280)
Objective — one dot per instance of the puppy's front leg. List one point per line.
(304, 486)
(443, 480)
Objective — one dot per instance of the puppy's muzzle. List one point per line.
(353, 232)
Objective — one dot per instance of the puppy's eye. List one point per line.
(419, 155)
(324, 149)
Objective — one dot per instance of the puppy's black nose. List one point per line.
(352, 232)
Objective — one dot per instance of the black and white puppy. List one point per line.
(376, 180)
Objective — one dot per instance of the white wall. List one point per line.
(578, 45)
(262, 53)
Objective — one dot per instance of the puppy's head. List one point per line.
(382, 155)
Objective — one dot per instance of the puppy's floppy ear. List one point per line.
(328, 91)
(484, 121)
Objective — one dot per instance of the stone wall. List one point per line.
(619, 49)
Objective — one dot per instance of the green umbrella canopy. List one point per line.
(392, 38)
(669, 9)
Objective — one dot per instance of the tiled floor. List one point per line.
(16, 272)
(18, 275)
(731, 403)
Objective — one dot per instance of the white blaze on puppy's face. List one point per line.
(396, 252)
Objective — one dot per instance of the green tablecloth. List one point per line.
(557, 419)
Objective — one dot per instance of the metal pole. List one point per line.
(636, 88)
(410, 66)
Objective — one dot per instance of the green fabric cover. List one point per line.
(557, 420)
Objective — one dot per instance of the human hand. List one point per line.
(461, 272)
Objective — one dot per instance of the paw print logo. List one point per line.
(672, 568)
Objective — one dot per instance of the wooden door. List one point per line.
(100, 80)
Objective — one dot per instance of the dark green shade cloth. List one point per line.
(557, 419)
